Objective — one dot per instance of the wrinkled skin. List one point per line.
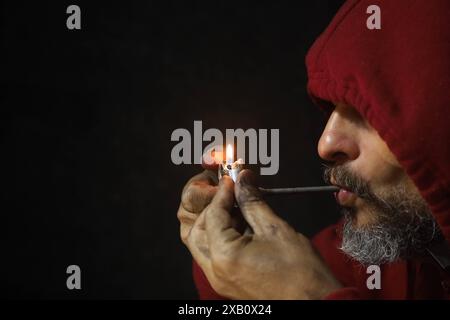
(269, 260)
(253, 253)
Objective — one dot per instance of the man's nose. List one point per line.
(338, 143)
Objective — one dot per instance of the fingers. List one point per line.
(209, 228)
(187, 220)
(199, 191)
(197, 243)
(218, 221)
(211, 159)
(254, 209)
(196, 195)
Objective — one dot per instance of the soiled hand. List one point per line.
(251, 254)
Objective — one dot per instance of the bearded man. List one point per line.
(387, 147)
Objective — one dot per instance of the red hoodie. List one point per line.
(398, 78)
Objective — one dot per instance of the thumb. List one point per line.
(255, 210)
(218, 221)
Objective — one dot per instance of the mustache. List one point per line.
(349, 180)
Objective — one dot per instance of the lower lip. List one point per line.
(345, 197)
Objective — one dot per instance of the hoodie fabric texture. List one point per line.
(398, 78)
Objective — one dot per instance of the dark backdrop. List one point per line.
(86, 122)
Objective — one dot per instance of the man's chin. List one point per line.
(365, 241)
(376, 239)
(360, 217)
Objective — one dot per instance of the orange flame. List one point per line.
(230, 154)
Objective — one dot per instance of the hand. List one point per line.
(271, 262)
(196, 196)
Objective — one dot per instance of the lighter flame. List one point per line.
(229, 154)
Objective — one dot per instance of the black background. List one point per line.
(87, 117)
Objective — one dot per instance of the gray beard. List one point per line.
(403, 234)
(403, 227)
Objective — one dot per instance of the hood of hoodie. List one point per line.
(398, 78)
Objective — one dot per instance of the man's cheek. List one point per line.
(381, 174)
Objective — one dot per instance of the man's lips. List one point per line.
(344, 197)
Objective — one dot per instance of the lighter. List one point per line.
(230, 168)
